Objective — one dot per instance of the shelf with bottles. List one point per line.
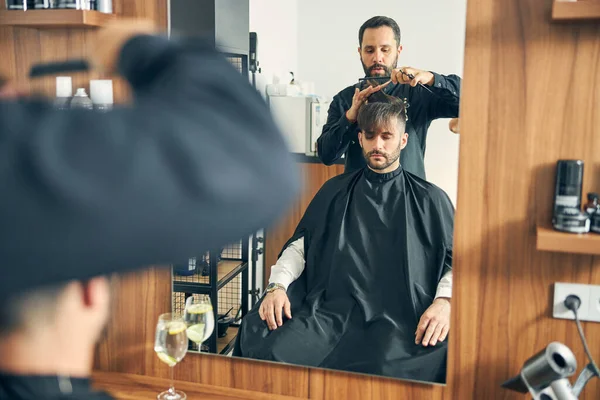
(578, 10)
(51, 14)
(549, 239)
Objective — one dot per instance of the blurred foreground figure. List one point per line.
(194, 163)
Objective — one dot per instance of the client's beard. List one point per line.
(390, 158)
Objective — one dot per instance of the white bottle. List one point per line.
(104, 6)
(81, 100)
(101, 93)
(64, 91)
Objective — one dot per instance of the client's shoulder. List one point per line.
(339, 181)
(426, 189)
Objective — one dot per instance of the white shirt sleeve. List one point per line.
(290, 265)
(444, 288)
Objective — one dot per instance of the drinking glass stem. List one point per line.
(172, 385)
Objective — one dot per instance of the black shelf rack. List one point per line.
(223, 276)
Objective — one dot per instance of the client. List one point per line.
(367, 273)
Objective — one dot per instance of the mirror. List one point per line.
(366, 272)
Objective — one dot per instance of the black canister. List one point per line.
(569, 182)
(595, 225)
(20, 4)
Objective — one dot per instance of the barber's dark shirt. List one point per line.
(340, 136)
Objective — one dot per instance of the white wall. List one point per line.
(276, 25)
(433, 34)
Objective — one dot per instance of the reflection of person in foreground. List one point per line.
(47, 340)
(364, 284)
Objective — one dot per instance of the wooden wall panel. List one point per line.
(517, 119)
(313, 177)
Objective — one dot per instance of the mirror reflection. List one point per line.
(358, 277)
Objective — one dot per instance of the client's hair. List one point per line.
(379, 111)
(22, 310)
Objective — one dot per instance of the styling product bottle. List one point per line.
(104, 6)
(572, 220)
(592, 206)
(595, 226)
(81, 100)
(569, 181)
(101, 93)
(73, 4)
(44, 4)
(64, 91)
(20, 5)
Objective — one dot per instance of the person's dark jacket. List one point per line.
(194, 163)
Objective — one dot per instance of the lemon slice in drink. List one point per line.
(170, 361)
(196, 333)
(199, 308)
(177, 327)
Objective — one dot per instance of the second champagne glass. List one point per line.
(200, 318)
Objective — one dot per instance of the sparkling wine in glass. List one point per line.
(200, 318)
(170, 345)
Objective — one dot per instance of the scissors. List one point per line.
(387, 78)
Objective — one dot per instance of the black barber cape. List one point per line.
(34, 387)
(376, 246)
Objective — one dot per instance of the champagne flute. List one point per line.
(200, 318)
(170, 345)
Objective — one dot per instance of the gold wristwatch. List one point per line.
(274, 286)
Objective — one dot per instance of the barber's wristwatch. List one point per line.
(274, 286)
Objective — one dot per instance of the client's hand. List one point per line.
(271, 307)
(435, 323)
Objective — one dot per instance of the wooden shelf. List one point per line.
(227, 340)
(54, 18)
(549, 239)
(580, 10)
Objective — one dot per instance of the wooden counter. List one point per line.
(134, 387)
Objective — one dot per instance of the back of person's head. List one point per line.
(7, 89)
(380, 111)
(378, 22)
(32, 309)
(61, 322)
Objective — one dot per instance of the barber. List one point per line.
(379, 49)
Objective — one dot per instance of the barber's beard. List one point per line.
(386, 68)
(390, 158)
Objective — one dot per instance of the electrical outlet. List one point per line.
(561, 291)
(594, 304)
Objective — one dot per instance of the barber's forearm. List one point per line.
(447, 86)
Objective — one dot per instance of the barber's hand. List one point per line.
(360, 97)
(272, 306)
(402, 75)
(435, 323)
(106, 47)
